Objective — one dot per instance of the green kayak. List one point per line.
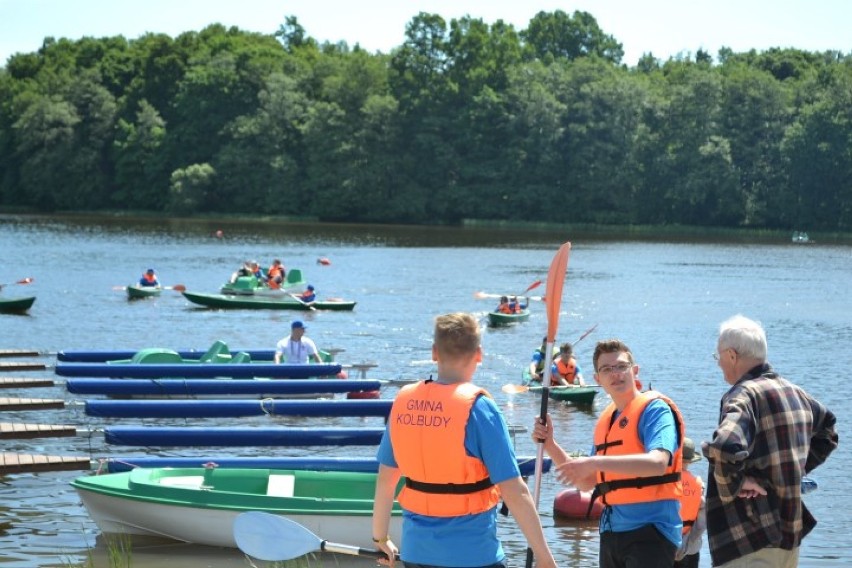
(497, 319)
(581, 394)
(257, 302)
(137, 292)
(16, 305)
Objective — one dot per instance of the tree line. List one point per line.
(464, 120)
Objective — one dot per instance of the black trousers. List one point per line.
(644, 547)
(688, 561)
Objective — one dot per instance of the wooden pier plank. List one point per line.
(19, 353)
(22, 366)
(7, 403)
(25, 382)
(16, 431)
(32, 463)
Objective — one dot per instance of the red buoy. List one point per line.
(323, 261)
(574, 504)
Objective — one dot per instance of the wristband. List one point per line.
(381, 540)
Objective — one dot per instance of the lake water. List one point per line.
(665, 299)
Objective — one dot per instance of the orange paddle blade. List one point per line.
(515, 389)
(535, 284)
(26, 280)
(555, 281)
(179, 287)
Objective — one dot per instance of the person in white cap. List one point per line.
(296, 349)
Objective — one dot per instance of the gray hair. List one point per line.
(743, 335)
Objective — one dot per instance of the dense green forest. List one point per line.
(464, 120)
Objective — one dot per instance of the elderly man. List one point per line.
(770, 434)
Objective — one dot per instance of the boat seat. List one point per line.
(280, 485)
(186, 481)
(245, 283)
(156, 355)
(241, 357)
(294, 277)
(216, 353)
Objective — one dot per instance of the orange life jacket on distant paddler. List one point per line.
(567, 371)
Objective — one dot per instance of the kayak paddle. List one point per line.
(274, 538)
(27, 280)
(555, 282)
(484, 295)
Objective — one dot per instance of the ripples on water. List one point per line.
(664, 299)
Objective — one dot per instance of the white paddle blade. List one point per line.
(273, 538)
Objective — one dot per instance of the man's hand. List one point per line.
(751, 489)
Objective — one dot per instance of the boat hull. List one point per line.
(136, 292)
(16, 305)
(256, 302)
(496, 319)
(191, 505)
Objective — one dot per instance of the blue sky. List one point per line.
(663, 27)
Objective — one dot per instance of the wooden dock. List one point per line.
(22, 366)
(32, 463)
(20, 353)
(25, 382)
(7, 403)
(16, 431)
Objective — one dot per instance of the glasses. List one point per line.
(613, 369)
(716, 355)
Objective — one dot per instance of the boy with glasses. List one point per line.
(634, 468)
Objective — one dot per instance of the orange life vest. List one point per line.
(504, 309)
(427, 431)
(272, 274)
(620, 437)
(690, 501)
(567, 371)
(150, 278)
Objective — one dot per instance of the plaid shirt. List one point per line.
(773, 431)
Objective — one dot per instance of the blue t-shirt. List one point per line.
(656, 431)
(469, 540)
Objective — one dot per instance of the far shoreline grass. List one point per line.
(673, 232)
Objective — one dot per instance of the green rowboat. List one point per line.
(258, 302)
(199, 505)
(16, 305)
(497, 319)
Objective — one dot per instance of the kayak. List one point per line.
(497, 319)
(199, 505)
(137, 292)
(251, 286)
(259, 302)
(16, 305)
(577, 394)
